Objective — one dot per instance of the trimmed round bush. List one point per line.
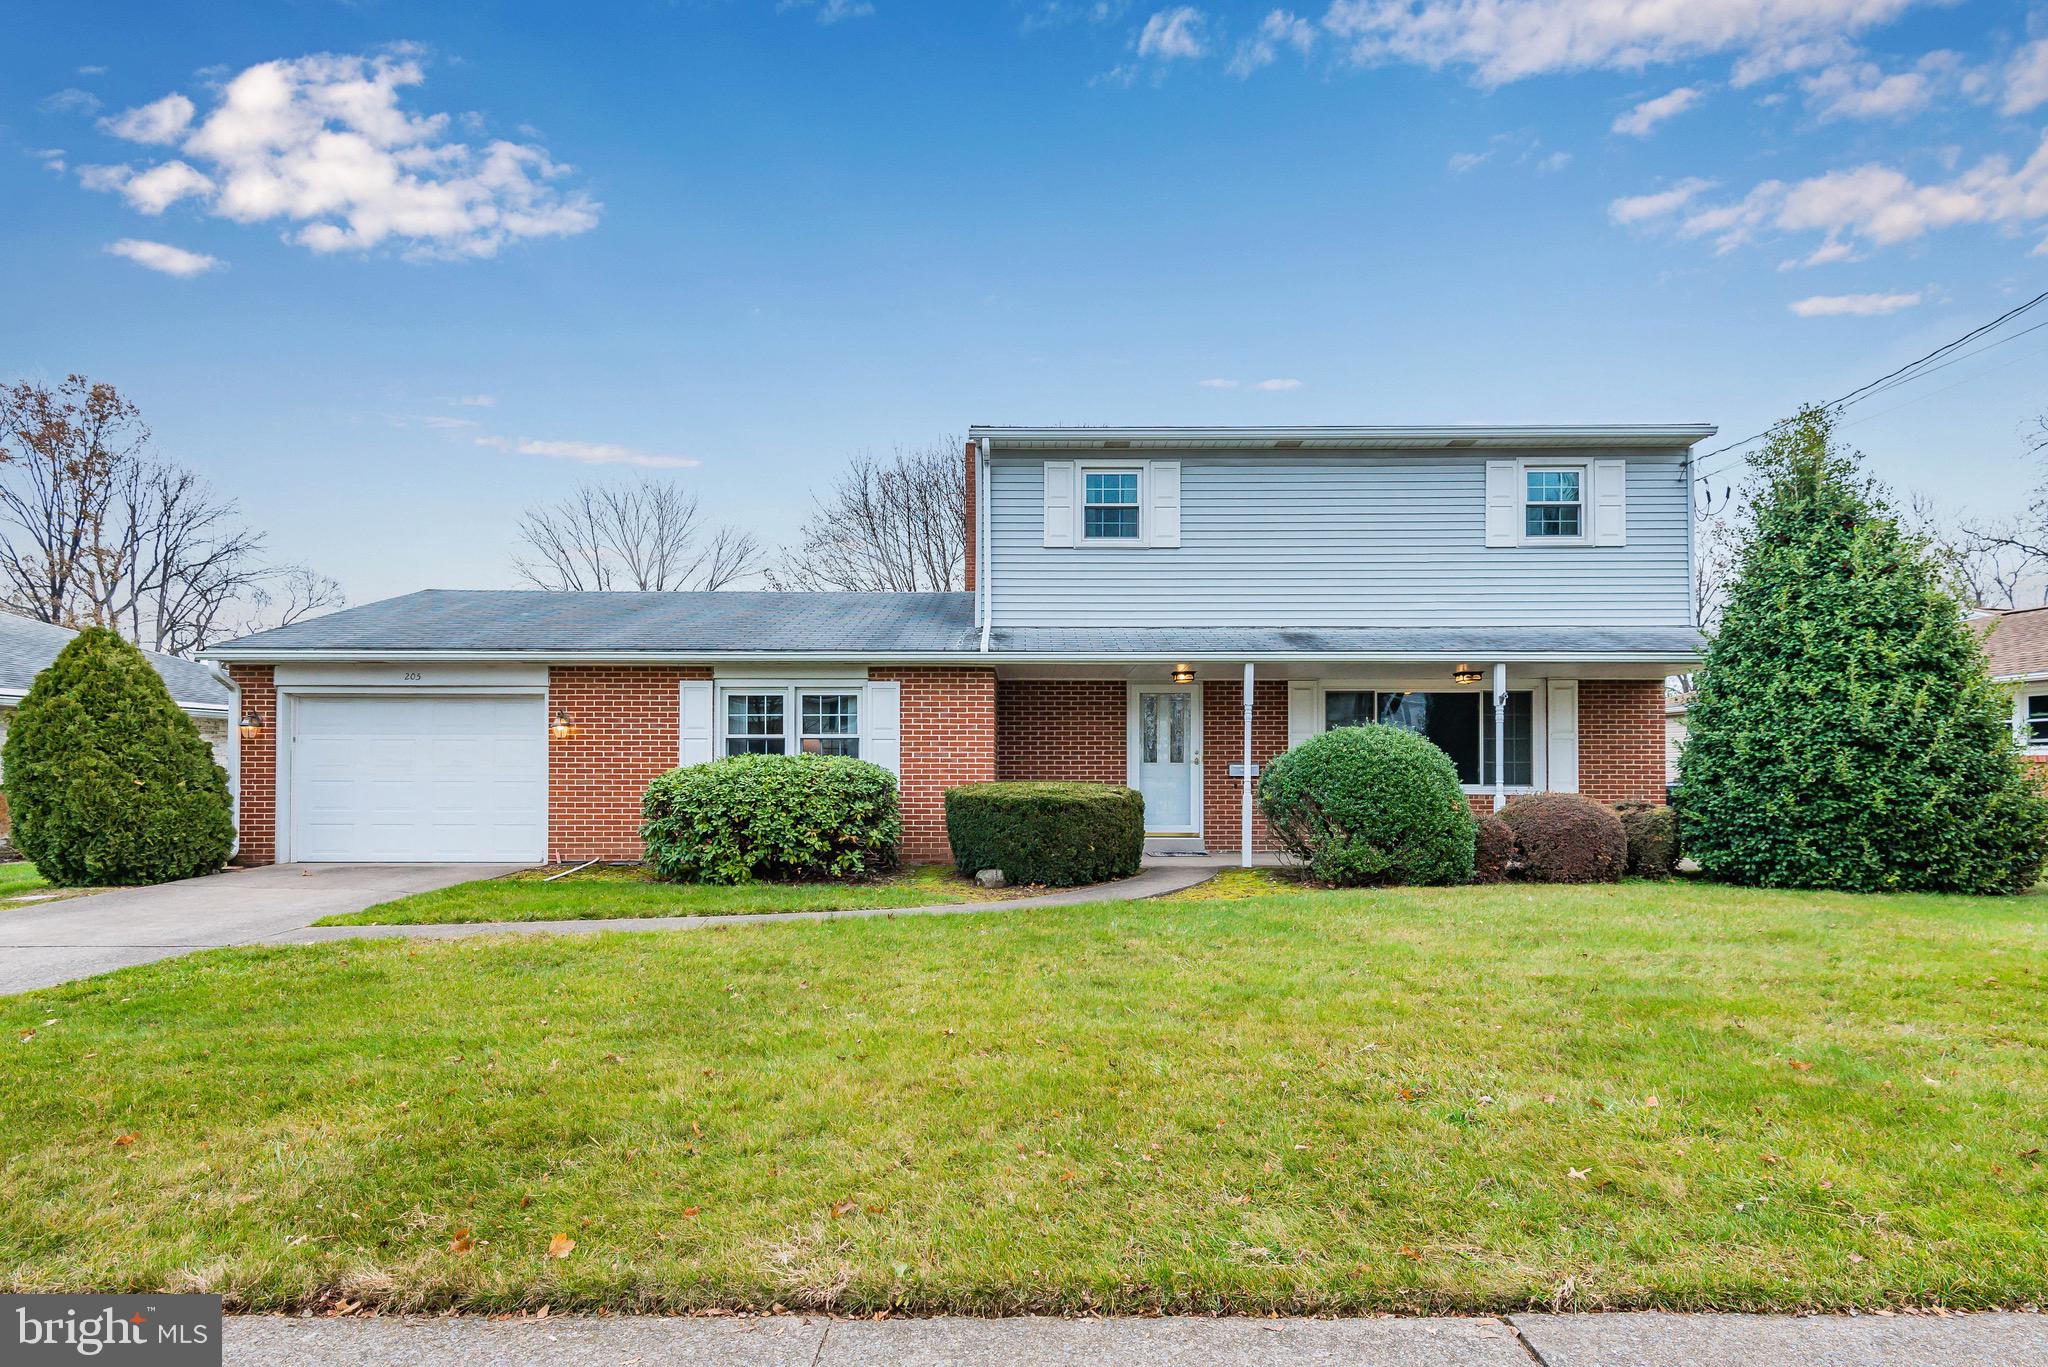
(1493, 850)
(107, 781)
(774, 817)
(1368, 806)
(1564, 838)
(1652, 833)
(1059, 834)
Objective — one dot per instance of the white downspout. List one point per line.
(1500, 737)
(1245, 813)
(234, 749)
(984, 572)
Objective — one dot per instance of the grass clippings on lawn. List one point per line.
(1456, 1100)
(609, 892)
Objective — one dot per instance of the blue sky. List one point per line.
(390, 273)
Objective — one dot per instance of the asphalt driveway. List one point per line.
(53, 942)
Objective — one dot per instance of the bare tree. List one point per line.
(646, 536)
(66, 453)
(895, 525)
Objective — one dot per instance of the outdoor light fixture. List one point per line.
(1183, 674)
(561, 726)
(252, 721)
(1466, 674)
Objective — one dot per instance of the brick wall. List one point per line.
(1621, 739)
(258, 781)
(1070, 729)
(1223, 746)
(624, 732)
(949, 738)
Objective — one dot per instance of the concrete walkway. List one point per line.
(1631, 1340)
(1156, 879)
(54, 942)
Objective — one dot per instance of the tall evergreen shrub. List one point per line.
(107, 781)
(1846, 732)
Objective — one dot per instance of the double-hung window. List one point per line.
(788, 721)
(2035, 734)
(1459, 724)
(1554, 505)
(1109, 505)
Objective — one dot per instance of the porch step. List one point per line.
(1174, 844)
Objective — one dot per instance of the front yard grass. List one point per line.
(19, 876)
(1670, 1095)
(606, 893)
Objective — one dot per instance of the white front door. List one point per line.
(1166, 758)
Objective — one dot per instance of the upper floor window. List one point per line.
(1109, 505)
(1554, 502)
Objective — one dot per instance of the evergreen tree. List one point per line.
(107, 781)
(1846, 732)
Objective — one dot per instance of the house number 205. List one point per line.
(410, 676)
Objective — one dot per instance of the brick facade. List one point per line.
(1621, 739)
(1223, 746)
(949, 738)
(256, 786)
(625, 730)
(1069, 729)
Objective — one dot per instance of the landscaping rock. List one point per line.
(992, 878)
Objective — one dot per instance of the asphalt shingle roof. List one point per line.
(2017, 643)
(27, 647)
(856, 624)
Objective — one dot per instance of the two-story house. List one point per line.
(1164, 607)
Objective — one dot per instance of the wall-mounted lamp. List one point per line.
(561, 723)
(1183, 674)
(1466, 674)
(252, 722)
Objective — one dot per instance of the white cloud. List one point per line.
(1279, 29)
(1853, 305)
(1277, 385)
(71, 100)
(2026, 78)
(1174, 34)
(1643, 208)
(92, 71)
(589, 453)
(1462, 162)
(831, 11)
(1507, 40)
(475, 400)
(52, 158)
(160, 256)
(163, 121)
(1638, 121)
(1218, 384)
(1862, 90)
(1555, 161)
(323, 144)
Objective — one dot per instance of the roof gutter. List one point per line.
(1677, 436)
(949, 657)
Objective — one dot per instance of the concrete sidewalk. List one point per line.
(1623, 1340)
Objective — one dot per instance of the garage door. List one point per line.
(418, 779)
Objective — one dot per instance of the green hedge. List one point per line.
(1059, 834)
(108, 782)
(1367, 806)
(772, 817)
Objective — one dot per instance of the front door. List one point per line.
(1166, 758)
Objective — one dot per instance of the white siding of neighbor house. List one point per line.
(1340, 539)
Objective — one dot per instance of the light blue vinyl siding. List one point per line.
(1329, 540)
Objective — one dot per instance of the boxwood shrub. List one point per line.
(1366, 806)
(1565, 838)
(1060, 834)
(108, 782)
(772, 817)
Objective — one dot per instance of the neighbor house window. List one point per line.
(1459, 724)
(2037, 720)
(1109, 505)
(755, 724)
(831, 724)
(791, 721)
(1554, 505)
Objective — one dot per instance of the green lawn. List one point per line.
(603, 894)
(18, 877)
(1473, 1099)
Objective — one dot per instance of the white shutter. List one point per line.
(1503, 503)
(883, 742)
(696, 721)
(1302, 721)
(1610, 512)
(1165, 528)
(1059, 503)
(1562, 729)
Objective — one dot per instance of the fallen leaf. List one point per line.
(1798, 1067)
(122, 1141)
(1577, 1174)
(1855, 1257)
(844, 1208)
(561, 1246)
(691, 1212)
(1650, 1102)
(1411, 1252)
(461, 1243)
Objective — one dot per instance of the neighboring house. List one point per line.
(1674, 736)
(2017, 644)
(27, 647)
(1148, 606)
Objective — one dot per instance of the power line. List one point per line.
(1905, 374)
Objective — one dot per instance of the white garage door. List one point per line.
(419, 779)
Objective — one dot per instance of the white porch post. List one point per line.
(1245, 814)
(1500, 737)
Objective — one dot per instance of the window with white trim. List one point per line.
(1109, 505)
(790, 721)
(2034, 732)
(1554, 502)
(1459, 724)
